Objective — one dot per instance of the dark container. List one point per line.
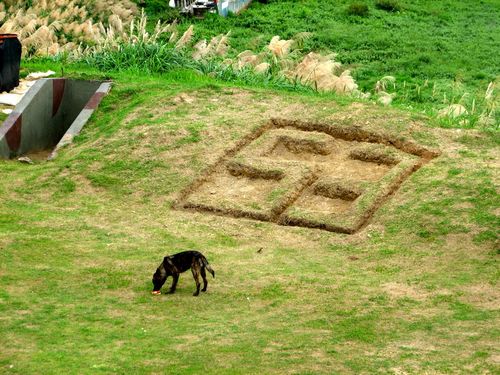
(10, 60)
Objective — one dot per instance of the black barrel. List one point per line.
(10, 60)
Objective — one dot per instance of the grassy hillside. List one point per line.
(437, 40)
(416, 291)
(439, 58)
(440, 52)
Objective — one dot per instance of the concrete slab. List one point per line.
(50, 114)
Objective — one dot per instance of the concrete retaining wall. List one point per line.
(48, 111)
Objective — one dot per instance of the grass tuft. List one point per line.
(388, 5)
(357, 8)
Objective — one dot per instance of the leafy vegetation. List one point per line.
(422, 46)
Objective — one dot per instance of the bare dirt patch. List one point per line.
(399, 290)
(306, 174)
(250, 189)
(483, 296)
(334, 157)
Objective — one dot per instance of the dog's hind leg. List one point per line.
(174, 283)
(196, 275)
(204, 277)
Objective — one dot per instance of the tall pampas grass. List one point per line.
(384, 82)
(280, 48)
(222, 47)
(84, 28)
(320, 72)
(218, 46)
(44, 27)
(491, 101)
(185, 38)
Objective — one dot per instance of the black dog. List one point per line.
(173, 265)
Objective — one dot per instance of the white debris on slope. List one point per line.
(12, 98)
(38, 75)
(453, 111)
(385, 98)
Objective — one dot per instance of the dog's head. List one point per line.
(159, 278)
(165, 269)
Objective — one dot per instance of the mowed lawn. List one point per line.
(416, 291)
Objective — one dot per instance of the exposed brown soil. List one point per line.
(319, 203)
(303, 146)
(227, 155)
(260, 177)
(357, 133)
(333, 157)
(249, 189)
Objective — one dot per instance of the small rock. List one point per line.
(10, 99)
(38, 75)
(453, 111)
(183, 98)
(385, 98)
(25, 159)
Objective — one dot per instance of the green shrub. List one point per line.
(388, 5)
(357, 9)
(159, 9)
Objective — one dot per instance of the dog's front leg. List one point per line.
(174, 283)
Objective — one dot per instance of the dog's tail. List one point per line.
(205, 264)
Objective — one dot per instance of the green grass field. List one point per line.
(424, 40)
(431, 47)
(440, 52)
(416, 291)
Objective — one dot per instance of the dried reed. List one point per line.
(45, 27)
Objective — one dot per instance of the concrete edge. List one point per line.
(20, 107)
(82, 118)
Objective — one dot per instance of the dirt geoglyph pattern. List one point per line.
(313, 175)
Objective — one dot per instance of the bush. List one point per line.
(388, 5)
(159, 9)
(357, 9)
